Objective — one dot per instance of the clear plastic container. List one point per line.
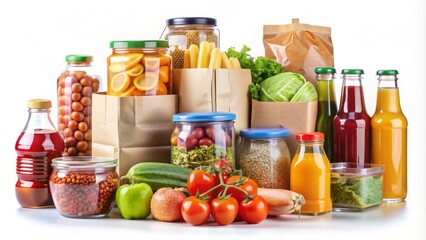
(202, 138)
(84, 187)
(139, 68)
(263, 156)
(355, 187)
(75, 87)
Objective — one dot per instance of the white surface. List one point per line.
(36, 36)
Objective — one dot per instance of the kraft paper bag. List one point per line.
(224, 90)
(133, 129)
(299, 47)
(297, 117)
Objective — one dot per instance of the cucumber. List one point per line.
(158, 175)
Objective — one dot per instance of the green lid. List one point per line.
(387, 72)
(78, 58)
(325, 70)
(352, 71)
(139, 44)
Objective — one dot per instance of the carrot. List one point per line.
(281, 201)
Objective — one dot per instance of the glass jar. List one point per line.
(263, 156)
(36, 146)
(84, 187)
(74, 93)
(182, 32)
(139, 68)
(202, 138)
(310, 173)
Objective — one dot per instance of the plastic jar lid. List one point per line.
(139, 44)
(78, 58)
(265, 132)
(204, 117)
(349, 168)
(191, 20)
(312, 136)
(83, 162)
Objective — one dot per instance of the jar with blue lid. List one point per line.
(202, 138)
(263, 156)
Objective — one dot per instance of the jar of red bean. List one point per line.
(83, 187)
(75, 87)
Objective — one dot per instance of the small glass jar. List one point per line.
(139, 68)
(83, 187)
(74, 92)
(263, 156)
(202, 138)
(182, 32)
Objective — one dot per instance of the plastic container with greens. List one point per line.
(355, 187)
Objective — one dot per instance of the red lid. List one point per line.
(311, 136)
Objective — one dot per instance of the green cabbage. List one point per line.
(281, 87)
(307, 93)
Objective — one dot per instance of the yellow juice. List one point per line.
(389, 143)
(310, 176)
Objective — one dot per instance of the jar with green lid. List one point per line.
(75, 86)
(139, 68)
(263, 156)
(182, 32)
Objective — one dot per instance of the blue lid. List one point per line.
(265, 132)
(204, 117)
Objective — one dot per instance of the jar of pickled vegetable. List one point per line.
(183, 32)
(202, 138)
(139, 68)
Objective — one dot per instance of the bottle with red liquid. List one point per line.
(37, 145)
(352, 123)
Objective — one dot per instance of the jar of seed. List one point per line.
(263, 156)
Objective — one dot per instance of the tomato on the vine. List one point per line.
(200, 181)
(224, 164)
(249, 186)
(195, 211)
(224, 211)
(254, 211)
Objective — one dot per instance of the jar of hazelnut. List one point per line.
(75, 87)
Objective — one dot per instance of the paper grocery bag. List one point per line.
(224, 90)
(299, 47)
(297, 117)
(133, 129)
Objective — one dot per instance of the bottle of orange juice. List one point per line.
(389, 137)
(310, 173)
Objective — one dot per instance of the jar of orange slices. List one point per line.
(139, 68)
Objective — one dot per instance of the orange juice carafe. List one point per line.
(389, 137)
(310, 173)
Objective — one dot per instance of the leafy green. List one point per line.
(307, 93)
(246, 61)
(281, 87)
(200, 156)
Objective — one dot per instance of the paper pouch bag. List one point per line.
(297, 117)
(133, 129)
(299, 47)
(224, 90)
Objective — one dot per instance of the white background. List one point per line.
(35, 37)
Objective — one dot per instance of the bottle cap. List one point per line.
(352, 71)
(78, 58)
(325, 70)
(387, 72)
(311, 136)
(39, 103)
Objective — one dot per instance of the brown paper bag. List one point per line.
(297, 117)
(224, 90)
(299, 47)
(133, 129)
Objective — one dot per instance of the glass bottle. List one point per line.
(389, 137)
(327, 107)
(36, 146)
(352, 123)
(75, 86)
(310, 173)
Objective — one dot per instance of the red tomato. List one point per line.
(200, 181)
(195, 211)
(254, 211)
(249, 186)
(224, 164)
(224, 211)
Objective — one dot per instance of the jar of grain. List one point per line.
(263, 156)
(182, 32)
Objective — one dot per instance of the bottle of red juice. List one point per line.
(37, 145)
(352, 122)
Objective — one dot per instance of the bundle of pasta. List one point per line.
(208, 56)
